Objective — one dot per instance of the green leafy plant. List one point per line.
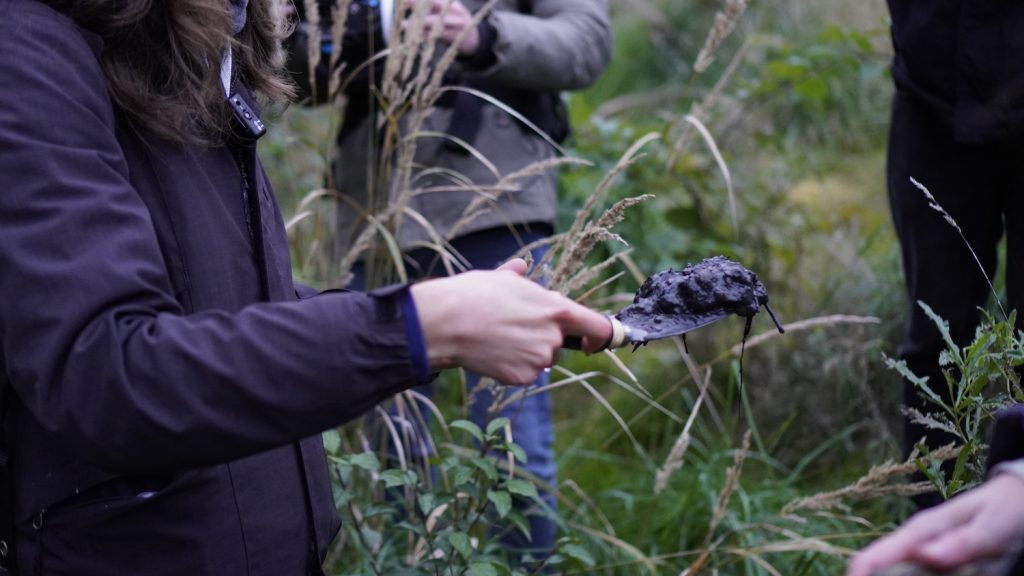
(449, 521)
(979, 379)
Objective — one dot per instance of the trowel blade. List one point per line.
(638, 335)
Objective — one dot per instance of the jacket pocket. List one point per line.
(109, 529)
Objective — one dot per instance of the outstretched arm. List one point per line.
(985, 522)
(500, 324)
(559, 45)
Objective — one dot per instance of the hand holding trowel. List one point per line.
(675, 302)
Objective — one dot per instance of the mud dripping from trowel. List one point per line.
(678, 301)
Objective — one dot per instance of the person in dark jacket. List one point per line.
(957, 129)
(522, 53)
(986, 523)
(164, 382)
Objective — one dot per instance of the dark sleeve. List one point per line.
(1007, 436)
(484, 57)
(92, 338)
(303, 291)
(355, 49)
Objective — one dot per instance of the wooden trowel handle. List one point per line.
(618, 338)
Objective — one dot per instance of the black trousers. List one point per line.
(982, 187)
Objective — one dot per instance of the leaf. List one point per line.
(332, 441)
(467, 426)
(496, 425)
(832, 34)
(371, 537)
(502, 501)
(426, 502)
(522, 488)
(394, 478)
(341, 496)
(449, 463)
(460, 541)
(931, 420)
(579, 553)
(900, 366)
(919, 382)
(788, 69)
(814, 90)
(517, 451)
(930, 468)
(518, 520)
(482, 569)
(462, 475)
(365, 460)
(959, 471)
(416, 529)
(342, 467)
(554, 560)
(861, 41)
(943, 327)
(485, 466)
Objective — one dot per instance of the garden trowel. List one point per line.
(675, 302)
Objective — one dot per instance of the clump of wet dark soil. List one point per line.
(677, 301)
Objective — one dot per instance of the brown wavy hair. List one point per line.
(162, 59)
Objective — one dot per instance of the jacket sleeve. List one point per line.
(92, 339)
(1007, 441)
(560, 45)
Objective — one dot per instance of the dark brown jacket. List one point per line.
(164, 374)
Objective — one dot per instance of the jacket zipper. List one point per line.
(37, 525)
(246, 198)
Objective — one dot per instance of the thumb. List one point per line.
(517, 265)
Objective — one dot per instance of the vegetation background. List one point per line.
(713, 460)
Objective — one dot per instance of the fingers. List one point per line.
(991, 523)
(501, 324)
(437, 6)
(959, 546)
(450, 20)
(984, 522)
(516, 265)
(903, 544)
(520, 364)
(450, 24)
(578, 320)
(880, 554)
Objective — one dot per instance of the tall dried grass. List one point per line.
(877, 483)
(934, 205)
(406, 93)
(732, 479)
(725, 22)
(674, 461)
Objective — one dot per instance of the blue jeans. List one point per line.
(531, 415)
